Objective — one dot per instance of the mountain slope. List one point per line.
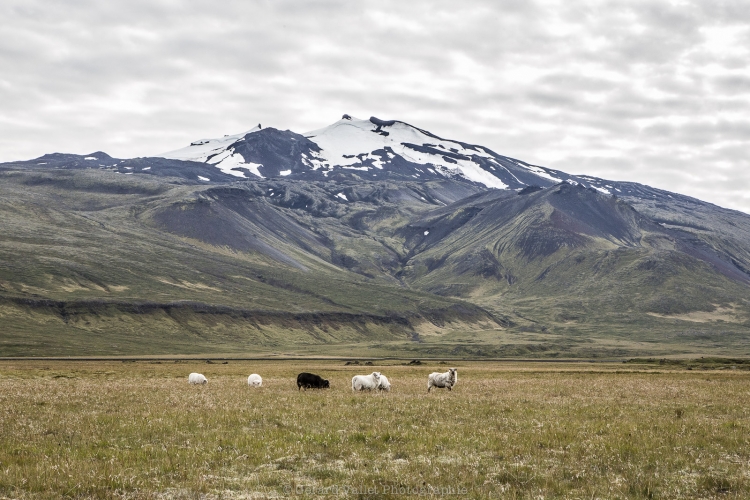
(366, 235)
(188, 171)
(531, 241)
(83, 255)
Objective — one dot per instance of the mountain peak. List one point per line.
(374, 149)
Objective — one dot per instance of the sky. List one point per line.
(655, 92)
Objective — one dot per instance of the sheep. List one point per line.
(366, 382)
(197, 378)
(447, 379)
(254, 380)
(384, 384)
(312, 381)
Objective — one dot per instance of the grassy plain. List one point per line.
(508, 430)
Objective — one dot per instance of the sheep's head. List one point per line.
(453, 373)
(376, 376)
(326, 385)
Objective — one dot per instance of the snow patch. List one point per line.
(538, 171)
(91, 158)
(285, 172)
(508, 171)
(342, 196)
(341, 142)
(426, 233)
(219, 157)
(230, 164)
(204, 178)
(144, 168)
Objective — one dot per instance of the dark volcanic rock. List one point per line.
(277, 151)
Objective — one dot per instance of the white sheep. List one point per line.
(447, 379)
(384, 384)
(366, 382)
(254, 380)
(197, 378)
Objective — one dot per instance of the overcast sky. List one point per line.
(655, 92)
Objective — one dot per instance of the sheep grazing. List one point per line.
(197, 378)
(311, 381)
(366, 382)
(440, 380)
(384, 384)
(254, 380)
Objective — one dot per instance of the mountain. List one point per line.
(367, 236)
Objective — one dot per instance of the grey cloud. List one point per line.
(734, 84)
(724, 11)
(635, 32)
(547, 99)
(686, 86)
(577, 81)
(701, 132)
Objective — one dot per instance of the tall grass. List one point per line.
(138, 430)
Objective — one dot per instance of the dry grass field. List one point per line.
(508, 430)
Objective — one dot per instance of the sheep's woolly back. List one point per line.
(442, 380)
(366, 382)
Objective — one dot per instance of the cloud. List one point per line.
(653, 92)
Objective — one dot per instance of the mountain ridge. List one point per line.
(370, 147)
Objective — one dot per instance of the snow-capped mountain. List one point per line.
(369, 149)
(348, 150)
(322, 222)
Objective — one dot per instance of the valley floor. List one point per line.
(107, 429)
